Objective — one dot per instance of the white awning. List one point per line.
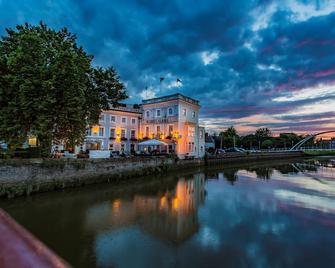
(152, 142)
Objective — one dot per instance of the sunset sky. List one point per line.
(251, 63)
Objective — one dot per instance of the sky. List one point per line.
(251, 63)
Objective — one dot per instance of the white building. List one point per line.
(173, 119)
(118, 130)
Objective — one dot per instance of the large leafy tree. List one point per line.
(48, 87)
(229, 137)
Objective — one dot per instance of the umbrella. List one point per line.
(152, 142)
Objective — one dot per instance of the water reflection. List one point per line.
(263, 215)
(169, 215)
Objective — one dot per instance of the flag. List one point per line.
(178, 80)
(161, 79)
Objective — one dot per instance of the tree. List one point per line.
(48, 87)
(262, 134)
(229, 137)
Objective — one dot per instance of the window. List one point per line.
(147, 132)
(201, 148)
(148, 114)
(101, 131)
(158, 130)
(201, 134)
(113, 118)
(89, 132)
(123, 133)
(112, 133)
(170, 129)
(191, 131)
(122, 147)
(101, 117)
(184, 112)
(124, 120)
(133, 134)
(133, 121)
(193, 114)
(158, 112)
(170, 111)
(111, 146)
(191, 146)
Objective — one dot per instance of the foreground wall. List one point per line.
(23, 177)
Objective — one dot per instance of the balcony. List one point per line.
(169, 119)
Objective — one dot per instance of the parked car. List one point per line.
(220, 151)
(235, 150)
(115, 154)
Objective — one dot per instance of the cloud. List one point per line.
(208, 57)
(242, 59)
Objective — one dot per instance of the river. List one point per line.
(260, 215)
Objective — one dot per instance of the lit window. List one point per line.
(191, 131)
(101, 131)
(193, 114)
(124, 120)
(101, 117)
(158, 113)
(113, 118)
(133, 121)
(147, 131)
(123, 133)
(112, 133)
(158, 130)
(184, 112)
(148, 114)
(133, 134)
(170, 111)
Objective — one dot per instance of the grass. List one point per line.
(319, 152)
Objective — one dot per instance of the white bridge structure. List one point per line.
(309, 137)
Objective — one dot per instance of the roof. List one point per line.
(176, 96)
(130, 108)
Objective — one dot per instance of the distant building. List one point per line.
(209, 142)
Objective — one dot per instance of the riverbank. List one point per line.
(319, 152)
(28, 176)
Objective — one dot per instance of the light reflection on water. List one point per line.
(263, 215)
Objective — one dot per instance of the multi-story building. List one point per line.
(118, 130)
(172, 119)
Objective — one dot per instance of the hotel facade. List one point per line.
(172, 119)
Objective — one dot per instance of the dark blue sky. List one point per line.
(251, 63)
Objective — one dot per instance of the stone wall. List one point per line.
(22, 177)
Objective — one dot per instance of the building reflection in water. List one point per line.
(169, 215)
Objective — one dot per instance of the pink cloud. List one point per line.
(324, 73)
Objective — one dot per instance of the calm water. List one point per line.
(264, 215)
